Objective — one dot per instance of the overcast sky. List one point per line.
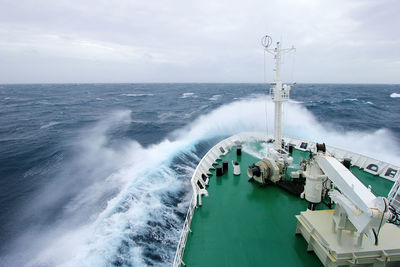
(197, 41)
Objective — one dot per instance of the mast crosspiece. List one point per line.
(279, 92)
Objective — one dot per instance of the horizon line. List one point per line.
(37, 83)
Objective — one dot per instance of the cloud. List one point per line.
(199, 41)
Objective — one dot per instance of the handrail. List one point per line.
(184, 234)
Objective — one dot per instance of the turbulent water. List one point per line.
(98, 174)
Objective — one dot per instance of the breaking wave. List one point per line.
(215, 97)
(137, 95)
(394, 95)
(52, 123)
(187, 95)
(124, 204)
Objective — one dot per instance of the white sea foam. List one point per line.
(298, 122)
(256, 152)
(395, 95)
(137, 95)
(189, 115)
(215, 97)
(138, 177)
(187, 95)
(294, 101)
(203, 107)
(44, 102)
(166, 115)
(52, 123)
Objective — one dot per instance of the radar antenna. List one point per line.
(266, 41)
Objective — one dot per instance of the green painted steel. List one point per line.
(379, 186)
(243, 224)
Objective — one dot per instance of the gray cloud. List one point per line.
(196, 41)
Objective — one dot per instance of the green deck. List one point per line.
(243, 224)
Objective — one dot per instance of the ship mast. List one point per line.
(279, 92)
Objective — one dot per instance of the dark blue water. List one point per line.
(98, 174)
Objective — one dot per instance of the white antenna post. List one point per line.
(279, 92)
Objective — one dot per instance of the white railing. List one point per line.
(184, 234)
(394, 196)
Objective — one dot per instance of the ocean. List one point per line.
(99, 174)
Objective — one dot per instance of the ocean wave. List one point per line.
(297, 122)
(187, 95)
(137, 95)
(215, 97)
(296, 102)
(166, 116)
(394, 95)
(44, 102)
(127, 201)
(52, 123)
